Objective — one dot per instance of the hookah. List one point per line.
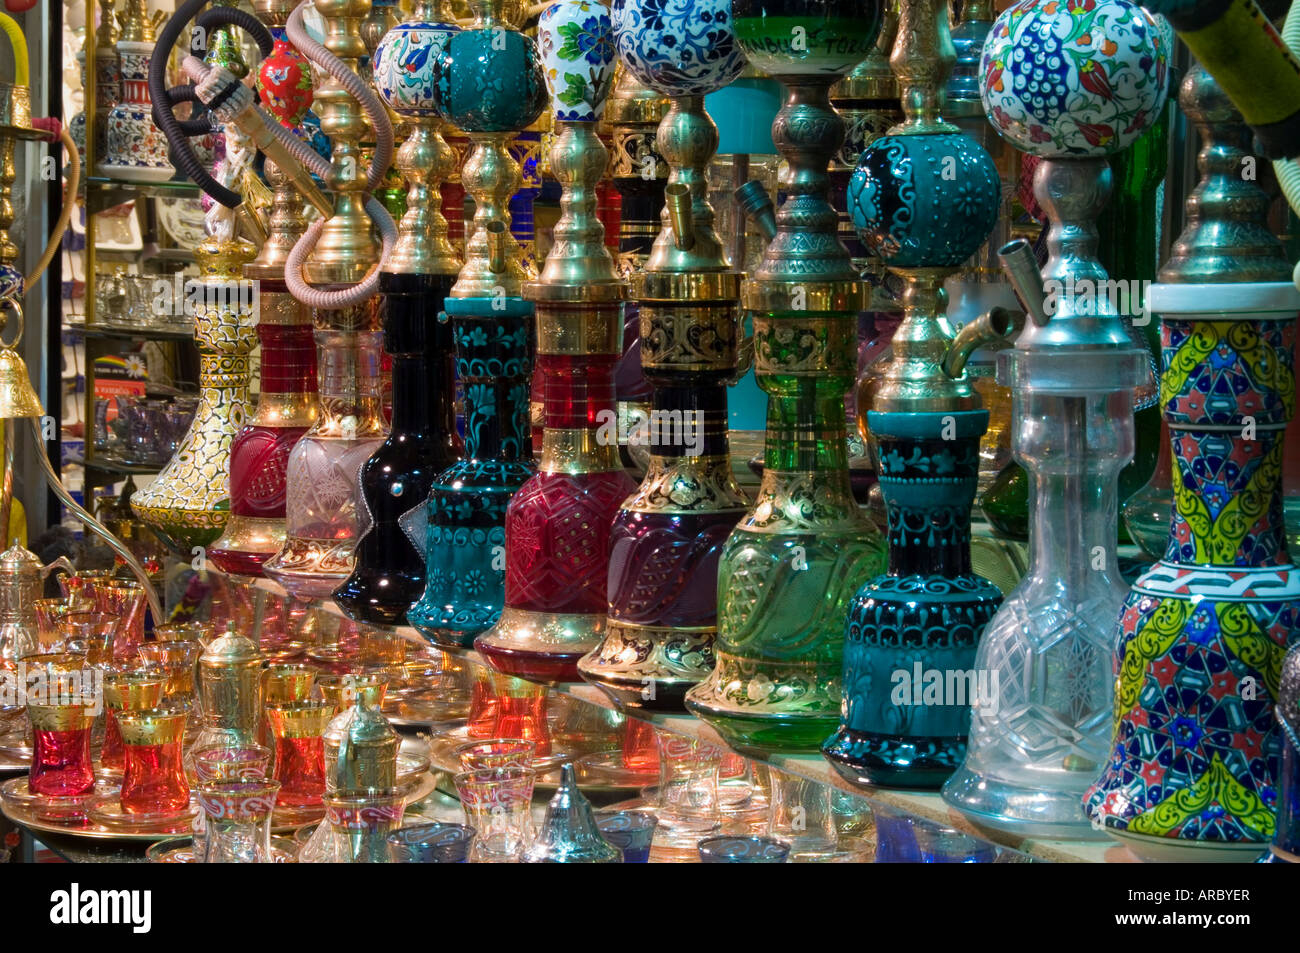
(465, 518)
(667, 536)
(558, 523)
(788, 570)
(928, 611)
(389, 575)
(336, 252)
(1034, 749)
(286, 404)
(1199, 643)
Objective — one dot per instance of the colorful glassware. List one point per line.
(557, 524)
(1034, 749)
(789, 568)
(238, 815)
(130, 691)
(1194, 757)
(662, 579)
(153, 771)
(135, 149)
(61, 714)
(569, 833)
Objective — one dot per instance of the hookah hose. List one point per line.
(65, 213)
(232, 102)
(1237, 45)
(19, 44)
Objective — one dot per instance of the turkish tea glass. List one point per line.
(521, 713)
(89, 633)
(175, 660)
(435, 843)
(498, 804)
(360, 825)
(496, 753)
(128, 690)
(298, 730)
(62, 700)
(800, 812)
(237, 818)
(124, 600)
(232, 763)
(48, 614)
(632, 832)
(344, 691)
(688, 789)
(153, 773)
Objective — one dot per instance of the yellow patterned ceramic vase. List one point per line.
(187, 505)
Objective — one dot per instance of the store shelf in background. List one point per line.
(108, 465)
(110, 333)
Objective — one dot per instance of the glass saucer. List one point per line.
(56, 810)
(180, 850)
(108, 811)
(296, 815)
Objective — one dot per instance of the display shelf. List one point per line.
(925, 805)
(109, 465)
(102, 332)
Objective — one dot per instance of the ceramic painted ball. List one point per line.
(1074, 77)
(490, 81)
(284, 82)
(924, 200)
(806, 37)
(678, 47)
(404, 65)
(577, 41)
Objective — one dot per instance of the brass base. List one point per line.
(541, 646)
(649, 667)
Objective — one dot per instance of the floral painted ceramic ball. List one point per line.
(1074, 77)
(404, 65)
(577, 42)
(678, 47)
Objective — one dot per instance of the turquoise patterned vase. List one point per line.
(909, 648)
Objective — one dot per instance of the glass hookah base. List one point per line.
(311, 568)
(1044, 811)
(247, 543)
(638, 692)
(867, 759)
(541, 646)
(648, 668)
(378, 597)
(757, 734)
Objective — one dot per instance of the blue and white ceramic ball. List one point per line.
(925, 201)
(1074, 77)
(678, 47)
(403, 65)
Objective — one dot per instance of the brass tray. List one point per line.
(421, 787)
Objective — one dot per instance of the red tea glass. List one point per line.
(153, 775)
(129, 691)
(124, 600)
(482, 704)
(61, 705)
(640, 748)
(298, 730)
(521, 713)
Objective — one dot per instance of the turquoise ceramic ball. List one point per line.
(925, 200)
(490, 81)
